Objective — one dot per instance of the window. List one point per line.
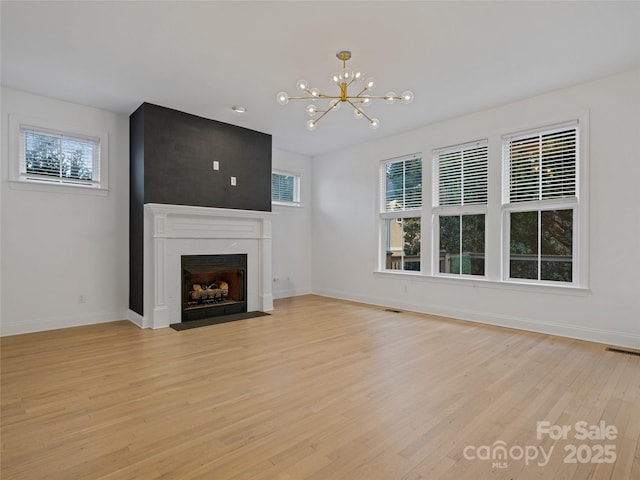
(540, 204)
(51, 156)
(285, 188)
(48, 156)
(509, 208)
(460, 206)
(400, 212)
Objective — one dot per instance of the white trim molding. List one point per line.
(568, 330)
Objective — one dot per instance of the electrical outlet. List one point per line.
(216, 165)
(233, 181)
(82, 298)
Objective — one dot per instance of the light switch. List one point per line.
(233, 181)
(216, 165)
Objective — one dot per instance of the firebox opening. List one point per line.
(213, 285)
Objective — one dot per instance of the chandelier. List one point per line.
(344, 80)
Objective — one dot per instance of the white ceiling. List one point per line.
(204, 57)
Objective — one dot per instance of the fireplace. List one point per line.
(213, 285)
(174, 231)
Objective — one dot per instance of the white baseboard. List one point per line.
(291, 293)
(135, 318)
(55, 323)
(577, 332)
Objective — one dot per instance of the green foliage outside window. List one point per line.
(543, 253)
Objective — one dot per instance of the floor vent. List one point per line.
(392, 310)
(622, 350)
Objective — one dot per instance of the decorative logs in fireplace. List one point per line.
(213, 285)
(215, 292)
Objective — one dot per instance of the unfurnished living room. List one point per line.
(376, 240)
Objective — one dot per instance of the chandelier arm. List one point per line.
(376, 97)
(382, 97)
(310, 97)
(323, 114)
(361, 92)
(359, 110)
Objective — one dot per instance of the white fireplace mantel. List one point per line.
(171, 231)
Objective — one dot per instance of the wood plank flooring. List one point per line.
(320, 390)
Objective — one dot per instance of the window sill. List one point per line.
(485, 283)
(286, 204)
(57, 188)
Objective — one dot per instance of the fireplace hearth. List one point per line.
(213, 285)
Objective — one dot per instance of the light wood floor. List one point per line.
(321, 389)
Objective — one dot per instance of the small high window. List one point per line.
(285, 188)
(63, 158)
(45, 155)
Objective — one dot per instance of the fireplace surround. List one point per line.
(174, 231)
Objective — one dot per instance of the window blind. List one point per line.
(403, 185)
(49, 155)
(542, 166)
(462, 176)
(282, 187)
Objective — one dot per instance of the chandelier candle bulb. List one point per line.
(344, 80)
(407, 97)
(370, 83)
(282, 98)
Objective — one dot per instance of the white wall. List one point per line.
(292, 245)
(58, 246)
(346, 237)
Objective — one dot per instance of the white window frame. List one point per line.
(462, 209)
(497, 220)
(19, 178)
(577, 203)
(296, 188)
(399, 214)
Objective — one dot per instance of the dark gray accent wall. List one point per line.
(136, 210)
(172, 155)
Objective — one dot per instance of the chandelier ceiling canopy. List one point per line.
(346, 79)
